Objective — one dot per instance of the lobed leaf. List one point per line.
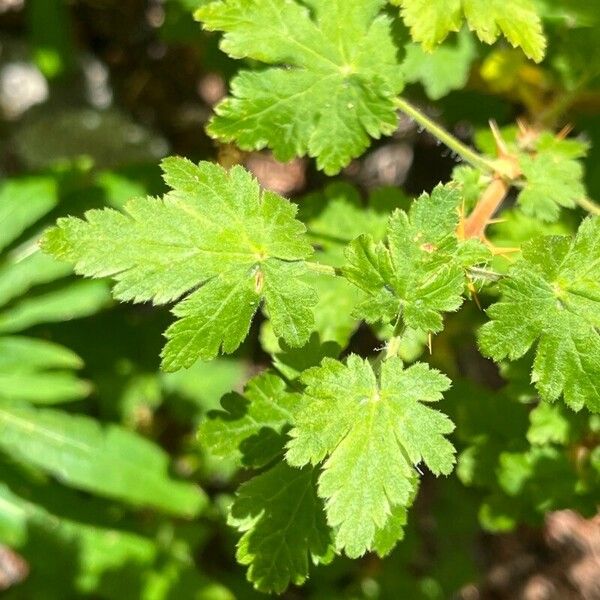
(214, 237)
(551, 301)
(420, 272)
(430, 21)
(350, 420)
(553, 177)
(248, 428)
(331, 81)
(283, 526)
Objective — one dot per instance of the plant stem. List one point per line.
(445, 137)
(475, 224)
(322, 269)
(393, 345)
(589, 205)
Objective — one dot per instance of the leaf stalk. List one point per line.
(468, 154)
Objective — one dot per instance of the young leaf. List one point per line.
(283, 525)
(112, 462)
(215, 230)
(551, 300)
(430, 21)
(248, 428)
(333, 77)
(420, 273)
(554, 177)
(370, 434)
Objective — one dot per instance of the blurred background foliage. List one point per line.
(105, 491)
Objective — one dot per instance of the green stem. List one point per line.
(322, 269)
(446, 137)
(589, 205)
(392, 348)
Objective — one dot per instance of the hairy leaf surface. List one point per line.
(554, 176)
(369, 434)
(420, 272)
(551, 300)
(430, 21)
(283, 525)
(330, 84)
(215, 237)
(249, 426)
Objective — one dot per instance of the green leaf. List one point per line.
(215, 230)
(35, 371)
(548, 424)
(335, 321)
(22, 203)
(204, 383)
(80, 547)
(516, 228)
(331, 81)
(551, 300)
(108, 461)
(545, 479)
(249, 427)
(283, 526)
(338, 214)
(29, 353)
(292, 362)
(334, 217)
(554, 177)
(23, 270)
(42, 387)
(370, 434)
(72, 301)
(99, 549)
(420, 272)
(472, 183)
(392, 532)
(445, 69)
(430, 21)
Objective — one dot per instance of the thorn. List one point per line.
(429, 342)
(564, 132)
(500, 251)
(497, 220)
(501, 148)
(528, 134)
(418, 470)
(471, 288)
